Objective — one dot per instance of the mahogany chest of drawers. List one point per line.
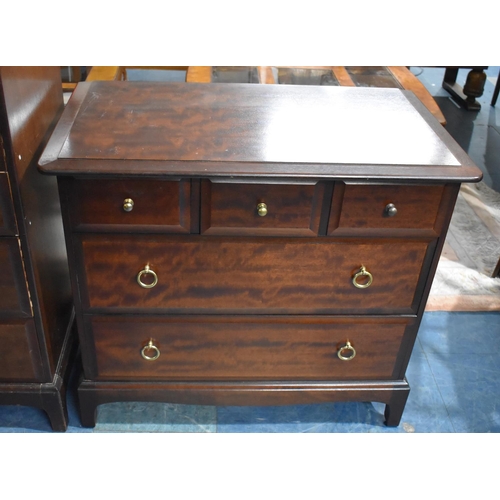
(37, 338)
(250, 244)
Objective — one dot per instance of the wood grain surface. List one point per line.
(231, 208)
(235, 348)
(158, 205)
(272, 275)
(202, 128)
(364, 207)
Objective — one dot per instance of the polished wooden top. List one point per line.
(248, 130)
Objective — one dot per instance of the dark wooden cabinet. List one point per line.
(37, 338)
(246, 245)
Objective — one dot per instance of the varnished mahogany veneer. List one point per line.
(278, 276)
(231, 208)
(158, 205)
(363, 207)
(246, 348)
(37, 338)
(251, 308)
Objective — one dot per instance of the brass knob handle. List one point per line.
(146, 271)
(128, 204)
(362, 273)
(346, 352)
(390, 210)
(147, 349)
(262, 209)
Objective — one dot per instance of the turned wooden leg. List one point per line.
(474, 87)
(394, 409)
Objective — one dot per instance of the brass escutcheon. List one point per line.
(150, 346)
(147, 270)
(346, 347)
(362, 273)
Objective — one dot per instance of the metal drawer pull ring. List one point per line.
(362, 273)
(347, 347)
(151, 347)
(128, 204)
(147, 270)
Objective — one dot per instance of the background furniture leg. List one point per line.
(495, 92)
(474, 87)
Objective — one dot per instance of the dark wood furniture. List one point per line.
(496, 91)
(251, 244)
(37, 340)
(474, 86)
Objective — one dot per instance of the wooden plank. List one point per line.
(68, 87)
(411, 82)
(199, 74)
(342, 76)
(106, 73)
(266, 74)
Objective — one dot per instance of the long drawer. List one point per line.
(258, 276)
(245, 348)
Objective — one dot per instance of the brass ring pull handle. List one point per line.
(145, 271)
(346, 352)
(390, 210)
(128, 204)
(262, 209)
(362, 273)
(150, 347)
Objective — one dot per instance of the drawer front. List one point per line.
(16, 349)
(14, 299)
(244, 348)
(270, 275)
(357, 208)
(261, 209)
(130, 204)
(7, 219)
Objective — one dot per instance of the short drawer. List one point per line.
(261, 209)
(245, 348)
(14, 299)
(267, 275)
(7, 218)
(129, 204)
(362, 207)
(17, 345)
